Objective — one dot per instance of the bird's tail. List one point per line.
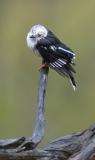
(72, 80)
(68, 71)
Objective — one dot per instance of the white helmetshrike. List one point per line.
(54, 53)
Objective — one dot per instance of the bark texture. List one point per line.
(79, 146)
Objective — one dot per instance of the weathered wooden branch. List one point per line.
(38, 133)
(79, 146)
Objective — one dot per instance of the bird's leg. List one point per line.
(44, 65)
(39, 130)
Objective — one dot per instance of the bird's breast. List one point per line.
(36, 52)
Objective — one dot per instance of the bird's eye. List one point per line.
(39, 35)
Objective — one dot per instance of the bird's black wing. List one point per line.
(54, 52)
(58, 56)
(61, 49)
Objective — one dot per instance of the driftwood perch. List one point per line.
(79, 146)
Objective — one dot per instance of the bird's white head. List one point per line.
(36, 33)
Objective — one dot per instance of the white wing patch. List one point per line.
(53, 48)
(61, 61)
(58, 63)
(66, 50)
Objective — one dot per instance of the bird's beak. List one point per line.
(32, 36)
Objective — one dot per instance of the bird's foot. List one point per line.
(44, 65)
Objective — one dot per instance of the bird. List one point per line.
(54, 53)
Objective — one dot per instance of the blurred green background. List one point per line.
(66, 111)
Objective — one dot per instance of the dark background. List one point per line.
(66, 111)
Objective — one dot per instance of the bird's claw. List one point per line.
(44, 65)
